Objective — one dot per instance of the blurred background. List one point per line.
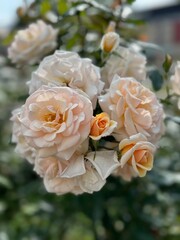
(144, 209)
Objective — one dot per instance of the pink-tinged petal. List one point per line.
(66, 154)
(60, 185)
(143, 118)
(129, 123)
(42, 143)
(132, 101)
(46, 152)
(69, 142)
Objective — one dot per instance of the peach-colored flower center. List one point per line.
(141, 156)
(102, 123)
(51, 117)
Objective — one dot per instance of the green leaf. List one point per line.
(45, 7)
(5, 182)
(62, 6)
(135, 21)
(7, 40)
(130, 1)
(157, 79)
(167, 63)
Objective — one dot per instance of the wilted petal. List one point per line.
(105, 162)
(75, 167)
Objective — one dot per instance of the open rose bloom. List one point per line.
(33, 43)
(81, 124)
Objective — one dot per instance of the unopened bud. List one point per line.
(111, 27)
(110, 42)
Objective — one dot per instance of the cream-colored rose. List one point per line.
(125, 63)
(175, 82)
(55, 121)
(135, 109)
(110, 42)
(31, 44)
(65, 68)
(75, 175)
(101, 126)
(79, 174)
(137, 153)
(22, 148)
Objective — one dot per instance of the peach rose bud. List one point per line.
(111, 27)
(138, 153)
(101, 126)
(110, 42)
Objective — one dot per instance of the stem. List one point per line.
(95, 144)
(167, 86)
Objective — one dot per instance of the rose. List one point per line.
(60, 176)
(125, 63)
(110, 42)
(68, 69)
(175, 81)
(31, 44)
(135, 109)
(101, 126)
(79, 174)
(22, 148)
(137, 154)
(55, 121)
(75, 175)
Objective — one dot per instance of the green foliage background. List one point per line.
(144, 209)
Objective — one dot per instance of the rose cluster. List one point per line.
(81, 124)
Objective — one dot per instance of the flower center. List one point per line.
(102, 123)
(54, 117)
(50, 117)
